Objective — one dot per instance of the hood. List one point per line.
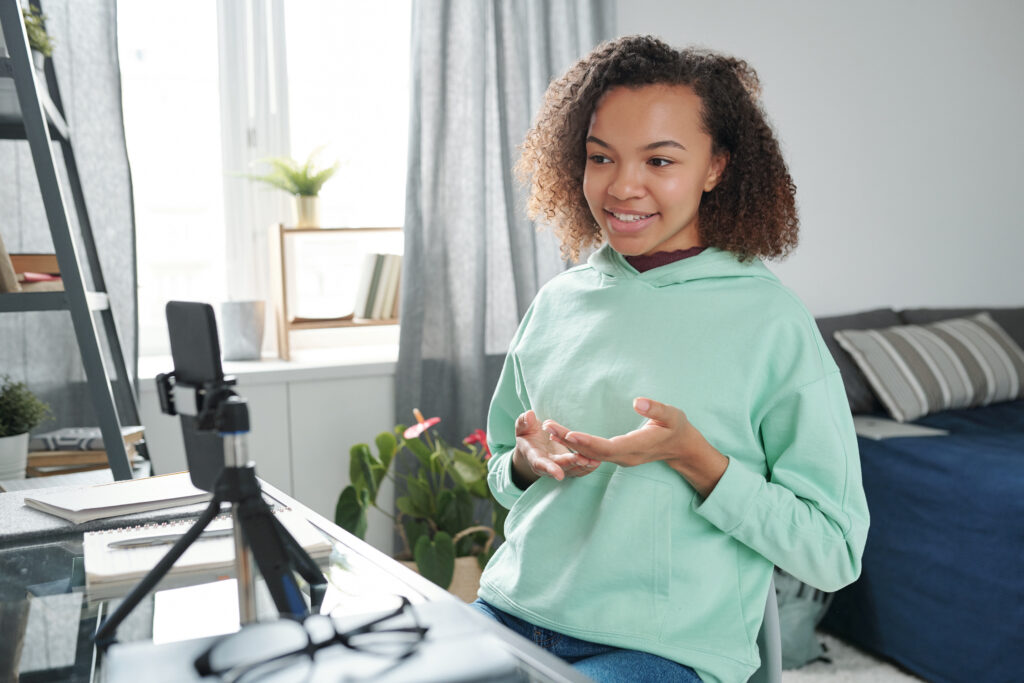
(710, 263)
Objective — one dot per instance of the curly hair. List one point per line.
(751, 212)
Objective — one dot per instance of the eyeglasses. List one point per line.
(285, 648)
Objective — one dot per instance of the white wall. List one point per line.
(903, 125)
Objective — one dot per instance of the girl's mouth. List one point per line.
(626, 222)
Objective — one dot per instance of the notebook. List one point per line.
(112, 571)
(118, 498)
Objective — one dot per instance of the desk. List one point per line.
(46, 620)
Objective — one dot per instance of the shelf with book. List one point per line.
(333, 278)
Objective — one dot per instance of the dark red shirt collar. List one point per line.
(647, 262)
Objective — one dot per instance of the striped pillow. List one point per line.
(920, 369)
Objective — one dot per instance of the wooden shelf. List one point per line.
(285, 321)
(331, 323)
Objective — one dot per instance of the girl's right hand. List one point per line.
(536, 455)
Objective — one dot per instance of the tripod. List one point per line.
(276, 553)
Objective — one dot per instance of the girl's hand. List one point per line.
(667, 435)
(538, 455)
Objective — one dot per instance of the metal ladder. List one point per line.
(43, 121)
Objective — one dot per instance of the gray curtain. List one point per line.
(40, 348)
(472, 261)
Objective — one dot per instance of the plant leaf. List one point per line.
(436, 559)
(419, 449)
(387, 444)
(466, 469)
(419, 495)
(358, 454)
(350, 512)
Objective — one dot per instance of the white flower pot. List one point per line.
(307, 212)
(241, 329)
(13, 456)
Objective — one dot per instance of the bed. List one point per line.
(942, 587)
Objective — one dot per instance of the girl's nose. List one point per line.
(627, 183)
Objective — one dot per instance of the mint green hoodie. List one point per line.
(633, 557)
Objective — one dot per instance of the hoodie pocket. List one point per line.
(594, 555)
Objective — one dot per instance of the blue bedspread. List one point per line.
(942, 587)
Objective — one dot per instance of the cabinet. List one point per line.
(305, 416)
(298, 252)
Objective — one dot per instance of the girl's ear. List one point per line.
(715, 170)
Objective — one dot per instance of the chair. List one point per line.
(769, 642)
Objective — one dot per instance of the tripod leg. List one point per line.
(305, 566)
(272, 558)
(105, 633)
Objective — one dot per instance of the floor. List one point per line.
(848, 665)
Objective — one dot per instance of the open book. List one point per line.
(112, 571)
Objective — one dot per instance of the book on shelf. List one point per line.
(76, 457)
(112, 571)
(86, 503)
(386, 303)
(364, 309)
(393, 314)
(80, 439)
(363, 284)
(35, 263)
(8, 276)
(386, 273)
(36, 472)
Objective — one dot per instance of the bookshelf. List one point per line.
(285, 242)
(39, 119)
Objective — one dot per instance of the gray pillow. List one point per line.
(858, 391)
(1010, 319)
(920, 369)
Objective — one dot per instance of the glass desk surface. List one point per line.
(47, 619)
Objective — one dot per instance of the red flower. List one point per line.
(421, 425)
(479, 436)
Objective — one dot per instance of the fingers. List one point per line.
(526, 423)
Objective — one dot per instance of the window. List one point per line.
(172, 126)
(347, 67)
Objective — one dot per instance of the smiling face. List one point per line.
(649, 161)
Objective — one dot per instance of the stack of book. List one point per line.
(76, 449)
(29, 272)
(377, 292)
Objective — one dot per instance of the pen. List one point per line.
(166, 539)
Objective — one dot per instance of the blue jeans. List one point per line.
(600, 662)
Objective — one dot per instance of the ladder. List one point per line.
(43, 121)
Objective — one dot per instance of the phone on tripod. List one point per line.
(195, 351)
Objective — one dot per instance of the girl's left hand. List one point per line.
(666, 436)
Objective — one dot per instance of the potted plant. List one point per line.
(20, 412)
(435, 518)
(302, 180)
(38, 39)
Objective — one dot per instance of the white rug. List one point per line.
(848, 665)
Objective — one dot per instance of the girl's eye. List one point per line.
(659, 162)
(599, 159)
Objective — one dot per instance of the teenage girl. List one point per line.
(668, 425)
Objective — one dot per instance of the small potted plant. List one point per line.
(38, 39)
(302, 180)
(435, 518)
(20, 412)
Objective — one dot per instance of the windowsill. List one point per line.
(306, 364)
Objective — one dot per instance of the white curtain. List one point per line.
(472, 261)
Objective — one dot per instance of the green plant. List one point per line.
(38, 38)
(20, 410)
(303, 180)
(437, 503)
